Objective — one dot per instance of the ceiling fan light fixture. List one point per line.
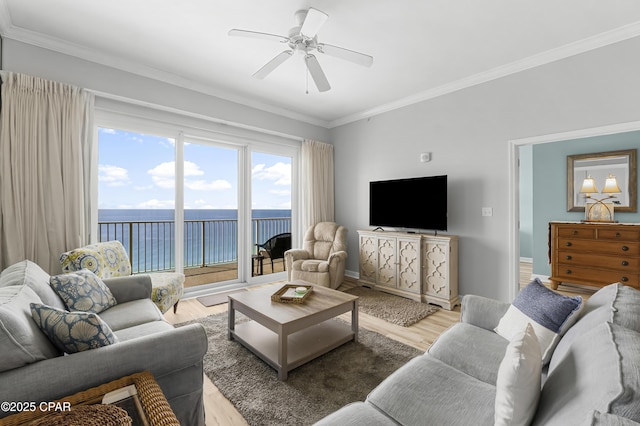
(303, 39)
(313, 21)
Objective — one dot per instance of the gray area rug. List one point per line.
(393, 309)
(313, 390)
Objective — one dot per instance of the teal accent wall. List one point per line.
(550, 186)
(526, 201)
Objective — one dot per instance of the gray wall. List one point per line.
(468, 133)
(550, 191)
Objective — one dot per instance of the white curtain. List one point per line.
(46, 132)
(317, 183)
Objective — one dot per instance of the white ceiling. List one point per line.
(421, 48)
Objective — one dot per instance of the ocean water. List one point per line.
(210, 236)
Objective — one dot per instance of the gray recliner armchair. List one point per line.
(322, 258)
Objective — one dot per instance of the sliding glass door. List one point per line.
(221, 212)
(270, 211)
(211, 237)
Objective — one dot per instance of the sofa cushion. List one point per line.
(142, 330)
(72, 332)
(30, 274)
(550, 313)
(472, 350)
(518, 384)
(596, 418)
(130, 314)
(21, 340)
(614, 303)
(428, 391)
(600, 371)
(83, 291)
(356, 414)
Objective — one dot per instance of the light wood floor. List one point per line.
(219, 411)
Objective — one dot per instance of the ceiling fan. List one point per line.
(303, 38)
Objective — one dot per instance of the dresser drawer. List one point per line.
(571, 232)
(579, 274)
(620, 263)
(599, 246)
(619, 234)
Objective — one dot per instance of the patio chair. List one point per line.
(275, 247)
(109, 259)
(323, 256)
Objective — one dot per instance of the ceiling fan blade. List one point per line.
(316, 73)
(346, 54)
(273, 64)
(254, 34)
(313, 22)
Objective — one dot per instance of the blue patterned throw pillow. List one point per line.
(550, 313)
(83, 291)
(72, 332)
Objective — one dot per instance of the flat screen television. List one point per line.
(415, 203)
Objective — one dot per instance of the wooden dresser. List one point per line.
(595, 254)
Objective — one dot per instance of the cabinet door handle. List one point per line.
(624, 279)
(625, 248)
(568, 244)
(625, 263)
(568, 271)
(568, 257)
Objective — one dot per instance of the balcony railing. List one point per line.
(151, 244)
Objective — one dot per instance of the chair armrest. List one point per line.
(339, 256)
(164, 353)
(296, 254)
(131, 287)
(482, 311)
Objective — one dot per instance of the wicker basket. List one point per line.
(155, 405)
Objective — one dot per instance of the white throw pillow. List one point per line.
(551, 314)
(518, 382)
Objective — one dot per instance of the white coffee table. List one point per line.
(287, 335)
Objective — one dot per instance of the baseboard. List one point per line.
(543, 278)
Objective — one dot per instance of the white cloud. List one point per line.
(280, 193)
(163, 176)
(156, 204)
(202, 185)
(279, 173)
(113, 175)
(109, 131)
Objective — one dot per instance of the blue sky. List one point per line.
(137, 171)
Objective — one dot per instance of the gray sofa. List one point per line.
(592, 378)
(33, 370)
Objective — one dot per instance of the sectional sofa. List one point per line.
(34, 369)
(591, 378)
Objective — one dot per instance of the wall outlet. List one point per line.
(487, 211)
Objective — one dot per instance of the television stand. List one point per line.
(418, 266)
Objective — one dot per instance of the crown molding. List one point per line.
(581, 46)
(81, 52)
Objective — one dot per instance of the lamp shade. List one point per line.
(588, 186)
(611, 185)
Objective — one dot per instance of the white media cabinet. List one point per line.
(417, 266)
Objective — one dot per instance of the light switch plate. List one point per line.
(425, 157)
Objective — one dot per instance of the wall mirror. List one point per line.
(621, 164)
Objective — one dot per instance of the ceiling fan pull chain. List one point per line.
(307, 78)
